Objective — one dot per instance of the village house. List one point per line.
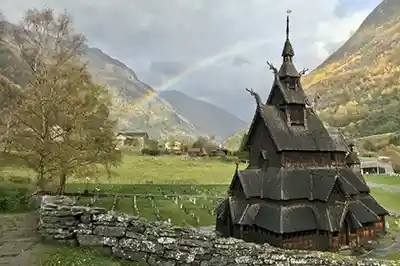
(303, 188)
(376, 166)
(132, 139)
(173, 146)
(195, 152)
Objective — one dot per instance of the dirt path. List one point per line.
(19, 241)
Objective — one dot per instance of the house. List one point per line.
(132, 139)
(376, 166)
(195, 152)
(303, 188)
(173, 146)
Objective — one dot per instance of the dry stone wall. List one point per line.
(158, 243)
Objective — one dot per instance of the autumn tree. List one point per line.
(60, 122)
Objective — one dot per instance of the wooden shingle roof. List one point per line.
(313, 137)
(295, 183)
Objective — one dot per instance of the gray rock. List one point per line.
(158, 243)
(95, 240)
(109, 231)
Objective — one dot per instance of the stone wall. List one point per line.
(158, 243)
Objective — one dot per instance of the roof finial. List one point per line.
(287, 23)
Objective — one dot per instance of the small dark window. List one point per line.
(291, 84)
(296, 114)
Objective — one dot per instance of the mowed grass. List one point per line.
(175, 175)
(170, 208)
(389, 200)
(68, 256)
(136, 169)
(382, 179)
(169, 175)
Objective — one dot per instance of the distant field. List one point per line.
(136, 169)
(203, 177)
(389, 200)
(382, 179)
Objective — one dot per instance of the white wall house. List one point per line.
(375, 166)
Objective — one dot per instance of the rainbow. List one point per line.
(240, 47)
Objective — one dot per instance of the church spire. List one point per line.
(287, 48)
(287, 68)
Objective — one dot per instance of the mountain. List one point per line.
(135, 104)
(205, 116)
(359, 84)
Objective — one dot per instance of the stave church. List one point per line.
(303, 188)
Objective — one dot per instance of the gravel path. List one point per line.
(19, 242)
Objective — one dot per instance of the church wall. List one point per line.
(306, 159)
(224, 223)
(258, 235)
(301, 240)
(337, 158)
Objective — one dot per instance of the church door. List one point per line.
(345, 234)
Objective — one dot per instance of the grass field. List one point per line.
(67, 256)
(205, 178)
(382, 179)
(135, 169)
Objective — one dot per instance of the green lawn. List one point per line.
(168, 208)
(136, 169)
(67, 256)
(169, 175)
(389, 200)
(382, 179)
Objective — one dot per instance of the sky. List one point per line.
(209, 49)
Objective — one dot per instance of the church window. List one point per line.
(296, 113)
(291, 84)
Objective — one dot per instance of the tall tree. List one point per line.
(60, 120)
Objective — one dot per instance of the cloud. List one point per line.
(240, 61)
(167, 68)
(154, 37)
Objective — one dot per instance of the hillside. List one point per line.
(204, 116)
(136, 105)
(233, 142)
(359, 84)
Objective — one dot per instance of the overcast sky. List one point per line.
(224, 43)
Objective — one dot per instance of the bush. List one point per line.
(395, 139)
(229, 159)
(242, 155)
(12, 197)
(151, 152)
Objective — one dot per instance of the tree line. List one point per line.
(54, 118)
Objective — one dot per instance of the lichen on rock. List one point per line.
(159, 243)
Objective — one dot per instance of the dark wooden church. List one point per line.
(303, 188)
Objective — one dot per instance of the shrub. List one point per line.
(242, 155)
(151, 152)
(395, 139)
(229, 159)
(12, 197)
